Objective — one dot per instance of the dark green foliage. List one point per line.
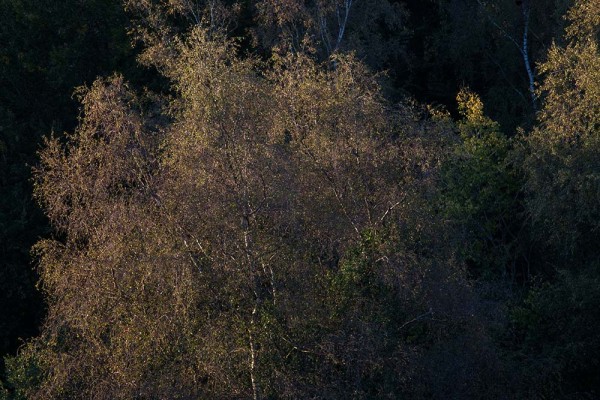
(23, 372)
(557, 327)
(558, 346)
(480, 193)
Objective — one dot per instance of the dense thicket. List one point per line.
(275, 220)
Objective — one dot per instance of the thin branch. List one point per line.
(390, 209)
(418, 318)
(500, 28)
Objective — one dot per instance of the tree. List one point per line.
(522, 42)
(483, 44)
(480, 194)
(557, 324)
(213, 248)
(46, 52)
(376, 30)
(561, 163)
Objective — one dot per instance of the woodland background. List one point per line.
(299, 199)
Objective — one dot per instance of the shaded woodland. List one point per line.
(286, 199)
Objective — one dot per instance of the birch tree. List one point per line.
(263, 232)
(521, 41)
(562, 166)
(375, 29)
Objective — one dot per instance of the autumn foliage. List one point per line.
(274, 227)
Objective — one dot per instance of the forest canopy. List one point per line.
(331, 199)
